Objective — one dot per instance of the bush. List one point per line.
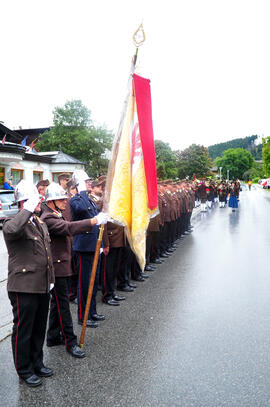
(255, 180)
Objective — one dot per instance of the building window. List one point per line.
(2, 176)
(17, 176)
(37, 176)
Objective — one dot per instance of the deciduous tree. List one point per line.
(194, 160)
(236, 160)
(74, 133)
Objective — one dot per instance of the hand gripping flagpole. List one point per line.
(138, 39)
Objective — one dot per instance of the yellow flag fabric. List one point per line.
(128, 202)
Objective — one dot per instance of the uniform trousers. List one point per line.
(183, 223)
(155, 248)
(60, 319)
(124, 269)
(109, 271)
(148, 247)
(163, 238)
(85, 263)
(30, 312)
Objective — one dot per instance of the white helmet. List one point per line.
(25, 190)
(54, 191)
(79, 177)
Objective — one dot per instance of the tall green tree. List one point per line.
(166, 161)
(194, 160)
(73, 132)
(266, 156)
(236, 160)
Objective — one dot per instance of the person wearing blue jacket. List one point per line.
(84, 245)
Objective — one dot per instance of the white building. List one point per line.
(17, 163)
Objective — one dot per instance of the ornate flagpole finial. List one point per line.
(139, 36)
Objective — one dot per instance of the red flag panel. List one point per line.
(144, 109)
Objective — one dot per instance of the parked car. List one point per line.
(7, 207)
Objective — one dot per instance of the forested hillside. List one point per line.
(248, 143)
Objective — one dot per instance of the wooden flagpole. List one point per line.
(91, 285)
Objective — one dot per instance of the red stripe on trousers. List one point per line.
(80, 286)
(60, 319)
(104, 278)
(17, 331)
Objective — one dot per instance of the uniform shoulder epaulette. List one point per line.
(57, 214)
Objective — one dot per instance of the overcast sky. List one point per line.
(208, 61)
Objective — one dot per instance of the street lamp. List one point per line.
(220, 168)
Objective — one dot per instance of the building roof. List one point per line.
(11, 135)
(59, 157)
(32, 134)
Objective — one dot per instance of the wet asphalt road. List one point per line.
(197, 333)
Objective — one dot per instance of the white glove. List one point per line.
(31, 203)
(102, 218)
(81, 186)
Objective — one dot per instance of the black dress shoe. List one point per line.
(132, 285)
(127, 289)
(157, 261)
(44, 372)
(32, 381)
(168, 253)
(139, 278)
(90, 323)
(119, 298)
(76, 352)
(164, 256)
(97, 317)
(149, 268)
(55, 342)
(144, 275)
(112, 302)
(171, 250)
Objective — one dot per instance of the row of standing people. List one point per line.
(43, 250)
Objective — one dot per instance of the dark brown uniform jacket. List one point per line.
(61, 232)
(114, 235)
(30, 268)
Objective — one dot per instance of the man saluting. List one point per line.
(30, 274)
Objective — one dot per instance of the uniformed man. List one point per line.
(60, 321)
(30, 274)
(84, 244)
(63, 179)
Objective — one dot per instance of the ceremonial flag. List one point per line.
(131, 191)
(4, 139)
(30, 148)
(23, 143)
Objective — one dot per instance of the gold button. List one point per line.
(58, 261)
(89, 208)
(35, 238)
(48, 257)
(46, 248)
(29, 221)
(24, 270)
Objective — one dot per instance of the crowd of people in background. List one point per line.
(225, 192)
